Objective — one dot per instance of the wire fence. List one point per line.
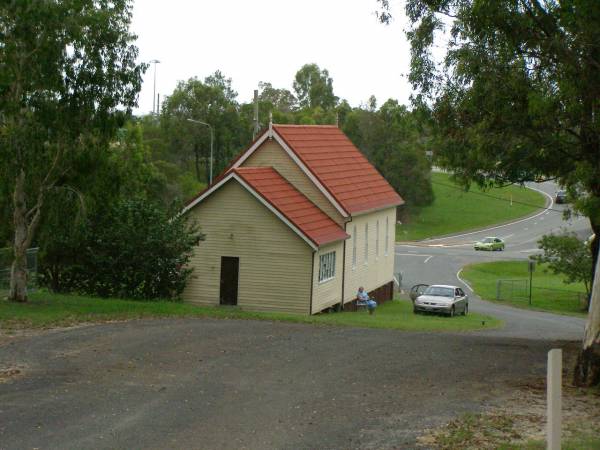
(517, 291)
(6, 256)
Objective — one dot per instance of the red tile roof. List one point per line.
(340, 167)
(290, 202)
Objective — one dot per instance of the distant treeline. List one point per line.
(393, 137)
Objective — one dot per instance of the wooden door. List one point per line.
(230, 269)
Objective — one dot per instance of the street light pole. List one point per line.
(155, 62)
(212, 137)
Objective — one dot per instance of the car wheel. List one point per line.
(466, 311)
(415, 311)
(452, 311)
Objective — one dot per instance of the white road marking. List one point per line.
(463, 281)
(425, 262)
(525, 229)
(544, 211)
(529, 250)
(413, 254)
(509, 236)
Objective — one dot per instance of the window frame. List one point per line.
(387, 235)
(327, 266)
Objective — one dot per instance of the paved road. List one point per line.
(440, 260)
(200, 383)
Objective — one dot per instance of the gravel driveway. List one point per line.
(198, 383)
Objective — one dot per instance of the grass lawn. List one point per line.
(46, 310)
(455, 210)
(549, 293)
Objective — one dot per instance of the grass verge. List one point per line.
(549, 292)
(455, 210)
(45, 310)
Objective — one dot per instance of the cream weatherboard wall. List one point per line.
(329, 292)
(274, 262)
(377, 267)
(271, 154)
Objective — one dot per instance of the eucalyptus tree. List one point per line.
(212, 101)
(516, 98)
(67, 67)
(314, 87)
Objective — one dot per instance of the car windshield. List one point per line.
(439, 291)
(488, 240)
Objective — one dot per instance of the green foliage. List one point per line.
(132, 248)
(516, 95)
(281, 100)
(394, 140)
(314, 88)
(567, 255)
(123, 171)
(181, 148)
(68, 69)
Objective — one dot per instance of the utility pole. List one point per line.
(255, 113)
(155, 62)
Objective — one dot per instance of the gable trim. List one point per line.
(269, 206)
(298, 162)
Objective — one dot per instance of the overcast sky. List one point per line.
(269, 40)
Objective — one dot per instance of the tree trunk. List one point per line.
(18, 272)
(587, 369)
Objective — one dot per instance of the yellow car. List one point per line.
(490, 243)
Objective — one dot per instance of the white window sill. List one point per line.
(326, 280)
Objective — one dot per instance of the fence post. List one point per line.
(498, 289)
(553, 398)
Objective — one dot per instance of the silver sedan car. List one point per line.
(441, 298)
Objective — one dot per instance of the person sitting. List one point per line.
(364, 298)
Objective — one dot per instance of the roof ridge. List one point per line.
(299, 125)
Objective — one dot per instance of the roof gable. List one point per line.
(285, 201)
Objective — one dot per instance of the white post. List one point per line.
(553, 397)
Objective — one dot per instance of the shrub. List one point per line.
(135, 249)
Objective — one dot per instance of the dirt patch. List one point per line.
(520, 420)
(9, 374)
